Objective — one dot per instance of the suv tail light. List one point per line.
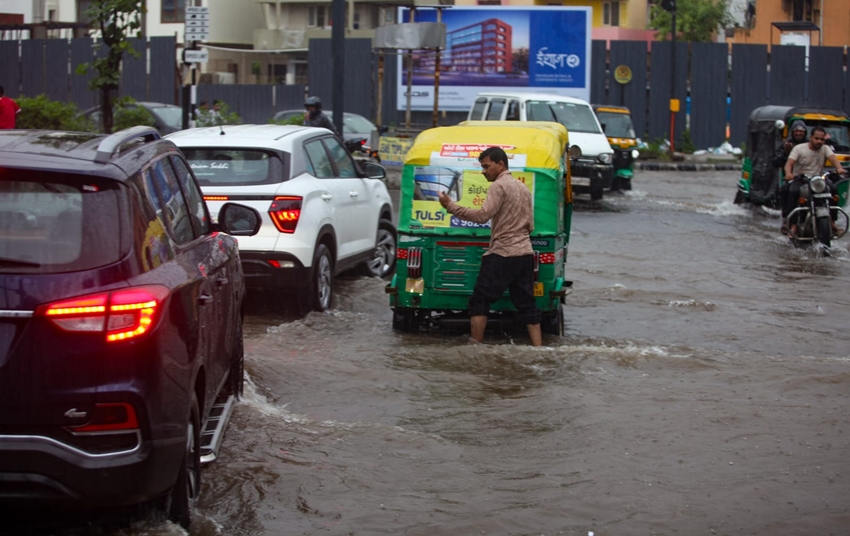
(110, 418)
(285, 211)
(413, 256)
(120, 314)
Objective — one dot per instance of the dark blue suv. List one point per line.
(120, 321)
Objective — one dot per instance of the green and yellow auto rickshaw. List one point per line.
(616, 121)
(767, 130)
(439, 255)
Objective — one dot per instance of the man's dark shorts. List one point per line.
(498, 273)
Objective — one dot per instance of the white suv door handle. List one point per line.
(354, 193)
(327, 197)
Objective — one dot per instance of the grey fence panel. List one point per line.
(255, 105)
(10, 74)
(162, 81)
(598, 71)
(81, 52)
(633, 94)
(56, 67)
(33, 79)
(134, 72)
(749, 87)
(659, 89)
(787, 83)
(826, 77)
(289, 97)
(709, 74)
(357, 72)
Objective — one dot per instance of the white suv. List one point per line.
(321, 213)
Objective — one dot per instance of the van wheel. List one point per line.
(322, 284)
(595, 193)
(553, 322)
(185, 491)
(382, 263)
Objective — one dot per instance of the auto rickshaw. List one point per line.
(767, 130)
(439, 255)
(616, 121)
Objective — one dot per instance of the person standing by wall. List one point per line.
(8, 111)
(509, 261)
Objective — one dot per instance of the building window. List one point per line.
(611, 13)
(82, 10)
(173, 11)
(318, 17)
(490, 2)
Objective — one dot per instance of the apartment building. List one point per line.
(831, 17)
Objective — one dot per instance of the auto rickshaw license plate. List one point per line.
(538, 289)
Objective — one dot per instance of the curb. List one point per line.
(685, 166)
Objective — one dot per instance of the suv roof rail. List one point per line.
(113, 142)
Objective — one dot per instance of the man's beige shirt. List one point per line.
(509, 208)
(807, 161)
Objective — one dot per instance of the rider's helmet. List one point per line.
(313, 101)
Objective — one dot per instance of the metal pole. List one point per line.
(409, 78)
(673, 86)
(338, 49)
(435, 119)
(378, 114)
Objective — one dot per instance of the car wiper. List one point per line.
(17, 262)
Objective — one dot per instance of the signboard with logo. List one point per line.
(540, 50)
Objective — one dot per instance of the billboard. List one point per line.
(540, 50)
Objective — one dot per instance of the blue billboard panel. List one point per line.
(541, 50)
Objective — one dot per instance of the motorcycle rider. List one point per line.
(314, 117)
(808, 159)
(796, 137)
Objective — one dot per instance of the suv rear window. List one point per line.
(235, 167)
(57, 222)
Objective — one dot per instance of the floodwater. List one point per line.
(702, 388)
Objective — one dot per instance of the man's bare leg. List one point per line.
(477, 325)
(534, 333)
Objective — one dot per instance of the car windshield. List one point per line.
(170, 115)
(616, 125)
(57, 222)
(576, 117)
(215, 166)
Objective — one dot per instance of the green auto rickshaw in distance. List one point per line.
(767, 130)
(439, 255)
(616, 122)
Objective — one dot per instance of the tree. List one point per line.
(117, 21)
(696, 20)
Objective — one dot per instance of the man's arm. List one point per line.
(836, 164)
(789, 166)
(482, 215)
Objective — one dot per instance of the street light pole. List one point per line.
(670, 6)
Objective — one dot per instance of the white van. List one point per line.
(594, 170)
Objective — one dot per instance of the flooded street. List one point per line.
(701, 388)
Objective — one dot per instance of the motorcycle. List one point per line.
(361, 152)
(818, 209)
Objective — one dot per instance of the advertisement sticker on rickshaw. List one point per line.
(455, 171)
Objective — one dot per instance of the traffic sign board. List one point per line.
(196, 56)
(197, 16)
(196, 9)
(196, 36)
(197, 24)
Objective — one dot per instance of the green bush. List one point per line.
(294, 120)
(688, 146)
(208, 118)
(44, 114)
(131, 116)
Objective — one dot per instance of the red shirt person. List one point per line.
(8, 111)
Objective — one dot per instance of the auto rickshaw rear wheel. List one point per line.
(552, 322)
(404, 319)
